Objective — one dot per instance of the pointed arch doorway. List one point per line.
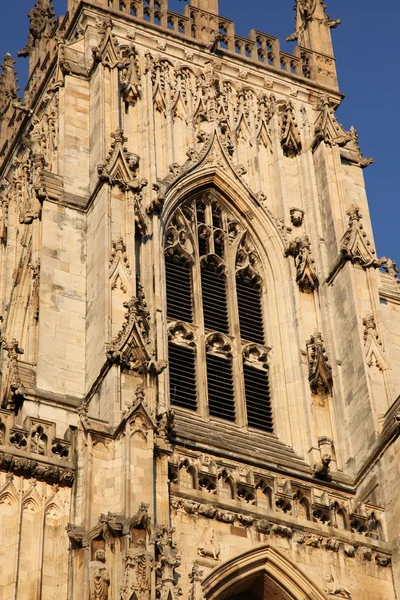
(260, 574)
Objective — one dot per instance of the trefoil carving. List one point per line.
(320, 371)
(306, 275)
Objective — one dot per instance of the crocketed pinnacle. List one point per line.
(8, 82)
(42, 21)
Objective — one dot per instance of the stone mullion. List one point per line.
(198, 320)
(237, 362)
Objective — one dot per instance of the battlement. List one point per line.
(218, 35)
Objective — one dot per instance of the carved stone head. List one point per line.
(296, 216)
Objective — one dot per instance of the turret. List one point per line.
(313, 32)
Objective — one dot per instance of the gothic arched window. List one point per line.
(216, 335)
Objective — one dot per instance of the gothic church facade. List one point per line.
(200, 348)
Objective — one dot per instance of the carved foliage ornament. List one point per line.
(320, 371)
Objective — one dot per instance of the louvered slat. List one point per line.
(215, 311)
(182, 376)
(220, 387)
(250, 312)
(179, 290)
(258, 403)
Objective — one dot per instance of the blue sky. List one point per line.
(366, 50)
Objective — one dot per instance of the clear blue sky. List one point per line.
(366, 49)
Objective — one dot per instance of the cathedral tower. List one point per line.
(200, 351)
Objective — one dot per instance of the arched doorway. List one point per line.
(260, 574)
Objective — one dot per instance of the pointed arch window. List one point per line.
(215, 292)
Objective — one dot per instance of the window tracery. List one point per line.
(218, 360)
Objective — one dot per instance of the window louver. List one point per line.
(258, 404)
(179, 290)
(213, 287)
(221, 401)
(250, 312)
(182, 376)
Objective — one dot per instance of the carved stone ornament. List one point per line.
(121, 167)
(306, 275)
(335, 589)
(8, 84)
(321, 469)
(99, 577)
(137, 573)
(327, 128)
(130, 75)
(108, 51)
(290, 136)
(36, 469)
(351, 151)
(355, 245)
(374, 352)
(168, 559)
(307, 11)
(42, 23)
(17, 390)
(130, 348)
(119, 269)
(320, 371)
(195, 578)
(296, 216)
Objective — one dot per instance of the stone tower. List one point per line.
(200, 349)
